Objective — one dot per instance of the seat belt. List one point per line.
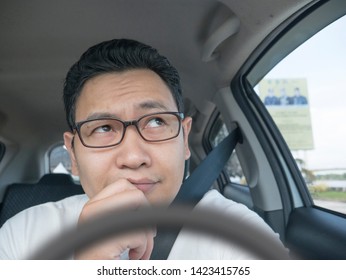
(194, 188)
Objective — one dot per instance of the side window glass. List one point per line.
(233, 168)
(59, 160)
(305, 95)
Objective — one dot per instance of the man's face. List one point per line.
(154, 168)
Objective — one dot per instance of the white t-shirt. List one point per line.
(192, 246)
(23, 234)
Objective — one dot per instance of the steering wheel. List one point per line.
(228, 227)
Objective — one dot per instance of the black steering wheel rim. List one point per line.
(230, 228)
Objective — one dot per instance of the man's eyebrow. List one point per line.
(101, 115)
(152, 104)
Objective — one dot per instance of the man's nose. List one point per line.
(133, 150)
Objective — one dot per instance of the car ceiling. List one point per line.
(41, 39)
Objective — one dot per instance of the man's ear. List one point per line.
(187, 123)
(68, 141)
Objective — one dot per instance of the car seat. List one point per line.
(51, 187)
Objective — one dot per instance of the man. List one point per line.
(298, 98)
(271, 99)
(284, 98)
(128, 144)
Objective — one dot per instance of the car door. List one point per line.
(289, 101)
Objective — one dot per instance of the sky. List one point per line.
(322, 61)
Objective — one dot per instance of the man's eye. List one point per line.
(155, 122)
(103, 129)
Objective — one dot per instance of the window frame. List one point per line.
(2, 150)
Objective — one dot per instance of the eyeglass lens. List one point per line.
(108, 132)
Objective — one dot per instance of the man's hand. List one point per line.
(124, 196)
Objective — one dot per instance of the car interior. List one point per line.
(223, 50)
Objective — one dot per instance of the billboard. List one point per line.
(287, 101)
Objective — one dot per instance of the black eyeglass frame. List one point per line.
(180, 116)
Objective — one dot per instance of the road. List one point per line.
(332, 205)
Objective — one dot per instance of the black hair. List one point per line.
(117, 55)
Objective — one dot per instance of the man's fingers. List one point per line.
(149, 249)
(122, 196)
(118, 186)
(143, 251)
(126, 200)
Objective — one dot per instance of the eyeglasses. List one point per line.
(108, 132)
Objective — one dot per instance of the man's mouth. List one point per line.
(145, 185)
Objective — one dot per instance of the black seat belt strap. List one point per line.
(195, 186)
(202, 178)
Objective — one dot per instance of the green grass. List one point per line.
(330, 195)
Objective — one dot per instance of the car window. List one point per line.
(302, 94)
(232, 168)
(59, 160)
